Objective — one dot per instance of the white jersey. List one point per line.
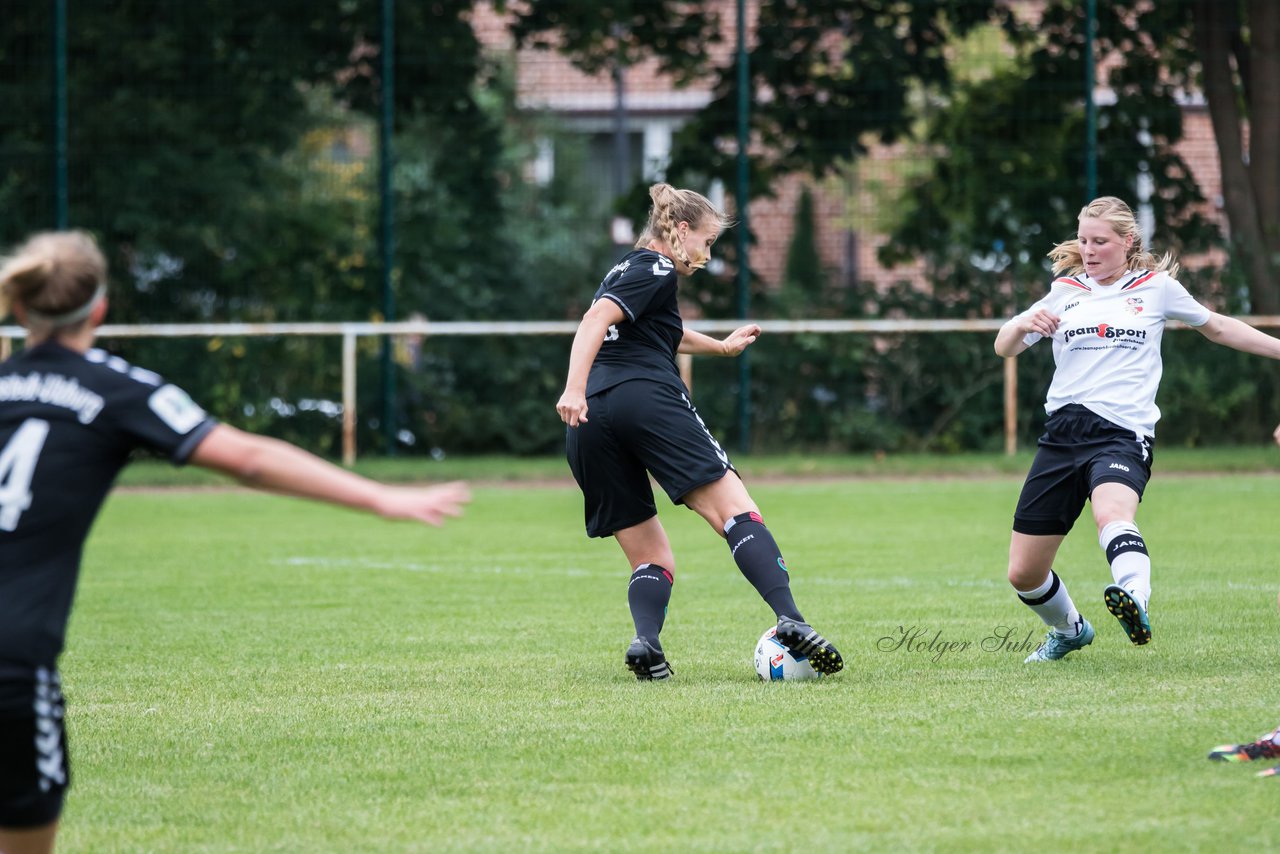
(1107, 347)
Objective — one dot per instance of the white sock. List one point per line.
(1126, 551)
(1053, 605)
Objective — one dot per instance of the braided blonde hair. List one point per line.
(54, 275)
(672, 207)
(1117, 214)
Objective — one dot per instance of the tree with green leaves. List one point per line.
(803, 270)
(223, 155)
(1002, 166)
(1230, 51)
(830, 78)
(1007, 180)
(181, 119)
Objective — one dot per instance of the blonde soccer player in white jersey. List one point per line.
(1105, 313)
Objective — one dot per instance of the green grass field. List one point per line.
(249, 673)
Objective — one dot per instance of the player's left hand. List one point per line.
(740, 339)
(1277, 435)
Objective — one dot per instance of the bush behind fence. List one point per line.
(226, 155)
(842, 393)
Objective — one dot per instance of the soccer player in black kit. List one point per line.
(70, 415)
(629, 416)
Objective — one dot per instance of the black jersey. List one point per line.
(68, 422)
(643, 346)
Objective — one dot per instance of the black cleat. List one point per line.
(646, 662)
(803, 640)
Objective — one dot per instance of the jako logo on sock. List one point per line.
(1138, 544)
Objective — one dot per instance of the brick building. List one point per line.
(848, 231)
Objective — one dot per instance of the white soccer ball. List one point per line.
(775, 663)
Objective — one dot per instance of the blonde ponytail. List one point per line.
(56, 276)
(672, 207)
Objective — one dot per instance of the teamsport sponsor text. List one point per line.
(1104, 330)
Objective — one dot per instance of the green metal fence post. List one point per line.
(1090, 107)
(60, 215)
(386, 229)
(744, 267)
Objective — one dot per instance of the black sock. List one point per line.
(648, 595)
(759, 559)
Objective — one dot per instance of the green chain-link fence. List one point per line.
(906, 160)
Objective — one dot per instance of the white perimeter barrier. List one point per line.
(350, 331)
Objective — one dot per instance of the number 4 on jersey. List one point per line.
(17, 465)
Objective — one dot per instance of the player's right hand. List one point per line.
(572, 407)
(1044, 322)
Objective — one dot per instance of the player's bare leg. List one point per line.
(36, 840)
(1040, 589)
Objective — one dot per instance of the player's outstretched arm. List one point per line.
(696, 344)
(276, 466)
(1238, 335)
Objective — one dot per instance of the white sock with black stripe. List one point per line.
(1053, 605)
(1126, 551)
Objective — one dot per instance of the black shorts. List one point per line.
(633, 429)
(34, 768)
(1078, 451)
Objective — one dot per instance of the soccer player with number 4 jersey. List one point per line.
(1105, 315)
(70, 415)
(629, 416)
